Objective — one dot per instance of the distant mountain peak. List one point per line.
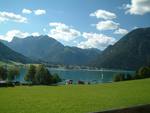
(30, 37)
(50, 50)
(15, 38)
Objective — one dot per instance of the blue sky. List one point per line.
(82, 23)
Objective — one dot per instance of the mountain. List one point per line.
(50, 50)
(74, 55)
(130, 52)
(35, 47)
(7, 54)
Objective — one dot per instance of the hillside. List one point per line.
(6, 54)
(50, 50)
(130, 52)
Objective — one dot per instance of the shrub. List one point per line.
(3, 73)
(13, 72)
(56, 78)
(128, 77)
(40, 75)
(143, 72)
(30, 76)
(43, 76)
(119, 77)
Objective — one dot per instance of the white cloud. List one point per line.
(121, 31)
(36, 12)
(63, 32)
(103, 14)
(58, 24)
(10, 34)
(35, 34)
(94, 40)
(138, 7)
(26, 11)
(107, 25)
(39, 12)
(8, 16)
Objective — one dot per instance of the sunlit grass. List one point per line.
(74, 98)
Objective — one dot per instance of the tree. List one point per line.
(119, 77)
(13, 72)
(128, 77)
(3, 73)
(30, 76)
(43, 76)
(143, 72)
(56, 78)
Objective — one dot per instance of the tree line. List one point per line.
(36, 75)
(143, 72)
(8, 74)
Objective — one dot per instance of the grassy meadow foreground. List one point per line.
(74, 98)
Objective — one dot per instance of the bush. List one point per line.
(7, 84)
(143, 72)
(56, 78)
(13, 72)
(43, 76)
(119, 77)
(3, 73)
(40, 75)
(30, 76)
(128, 77)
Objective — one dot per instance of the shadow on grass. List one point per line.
(135, 109)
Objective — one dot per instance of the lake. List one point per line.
(92, 76)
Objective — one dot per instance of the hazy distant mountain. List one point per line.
(50, 50)
(130, 52)
(35, 47)
(74, 55)
(7, 54)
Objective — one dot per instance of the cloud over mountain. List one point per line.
(63, 32)
(12, 33)
(94, 40)
(121, 31)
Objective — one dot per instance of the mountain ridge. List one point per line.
(131, 52)
(7, 54)
(50, 50)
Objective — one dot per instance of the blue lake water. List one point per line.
(92, 76)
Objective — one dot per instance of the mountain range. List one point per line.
(131, 52)
(6, 54)
(47, 49)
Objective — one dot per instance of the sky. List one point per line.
(81, 23)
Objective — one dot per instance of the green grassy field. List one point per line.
(74, 98)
